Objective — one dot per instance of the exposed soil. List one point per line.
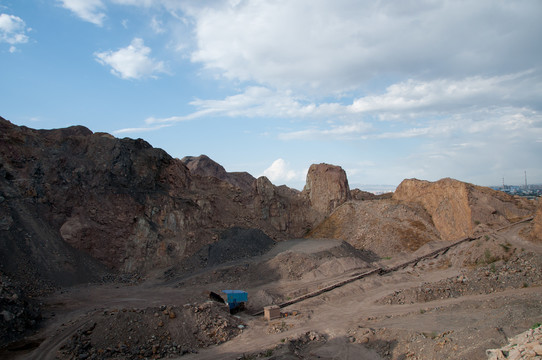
(456, 306)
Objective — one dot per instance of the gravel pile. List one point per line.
(168, 331)
(18, 314)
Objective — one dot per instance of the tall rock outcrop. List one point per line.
(457, 208)
(326, 187)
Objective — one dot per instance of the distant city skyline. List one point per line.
(386, 90)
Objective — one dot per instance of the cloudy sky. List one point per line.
(388, 90)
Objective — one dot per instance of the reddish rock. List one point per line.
(121, 201)
(457, 208)
(326, 187)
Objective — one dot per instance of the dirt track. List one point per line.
(345, 323)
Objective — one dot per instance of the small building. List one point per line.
(271, 312)
(236, 299)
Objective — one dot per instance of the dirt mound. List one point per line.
(536, 230)
(152, 332)
(384, 227)
(234, 244)
(35, 255)
(237, 243)
(457, 208)
(297, 265)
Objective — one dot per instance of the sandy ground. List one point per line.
(347, 323)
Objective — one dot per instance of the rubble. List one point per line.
(527, 345)
(160, 332)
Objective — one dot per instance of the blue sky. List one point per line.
(388, 90)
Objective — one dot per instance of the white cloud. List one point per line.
(280, 171)
(141, 3)
(131, 62)
(88, 10)
(257, 101)
(350, 131)
(140, 129)
(12, 30)
(157, 26)
(332, 47)
(449, 94)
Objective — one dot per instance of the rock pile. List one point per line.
(523, 270)
(152, 332)
(527, 345)
(18, 314)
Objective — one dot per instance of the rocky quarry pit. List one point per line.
(110, 249)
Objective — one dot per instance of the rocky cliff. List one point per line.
(76, 204)
(458, 209)
(72, 201)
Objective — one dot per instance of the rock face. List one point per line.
(457, 208)
(203, 166)
(70, 197)
(326, 187)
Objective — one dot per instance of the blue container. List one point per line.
(235, 298)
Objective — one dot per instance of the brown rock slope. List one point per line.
(69, 197)
(457, 208)
(384, 227)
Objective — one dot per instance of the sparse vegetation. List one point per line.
(267, 353)
(489, 259)
(536, 325)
